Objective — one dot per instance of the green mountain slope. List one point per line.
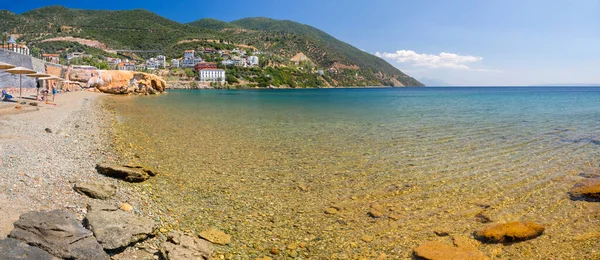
(213, 24)
(288, 37)
(280, 41)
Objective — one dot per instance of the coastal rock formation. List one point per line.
(181, 246)
(586, 189)
(59, 233)
(509, 232)
(438, 251)
(215, 236)
(15, 249)
(126, 173)
(116, 229)
(119, 81)
(96, 190)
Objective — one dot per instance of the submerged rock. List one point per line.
(15, 249)
(215, 236)
(437, 250)
(509, 232)
(181, 246)
(586, 189)
(96, 190)
(116, 229)
(126, 173)
(59, 233)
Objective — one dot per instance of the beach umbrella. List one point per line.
(20, 71)
(4, 65)
(39, 75)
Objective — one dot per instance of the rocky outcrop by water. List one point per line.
(59, 233)
(509, 232)
(117, 229)
(119, 81)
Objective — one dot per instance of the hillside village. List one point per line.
(247, 53)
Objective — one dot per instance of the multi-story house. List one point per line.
(212, 75)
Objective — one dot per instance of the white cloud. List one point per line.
(442, 60)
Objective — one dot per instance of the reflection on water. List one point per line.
(268, 167)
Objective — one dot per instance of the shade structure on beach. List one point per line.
(39, 75)
(52, 78)
(20, 71)
(4, 65)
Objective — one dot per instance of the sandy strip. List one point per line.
(38, 167)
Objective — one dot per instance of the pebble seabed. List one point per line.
(328, 191)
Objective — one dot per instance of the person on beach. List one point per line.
(53, 90)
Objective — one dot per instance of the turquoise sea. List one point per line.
(299, 170)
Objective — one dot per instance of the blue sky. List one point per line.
(510, 42)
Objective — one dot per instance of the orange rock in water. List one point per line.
(589, 188)
(509, 232)
(436, 250)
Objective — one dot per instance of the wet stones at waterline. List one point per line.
(59, 233)
(127, 172)
(509, 232)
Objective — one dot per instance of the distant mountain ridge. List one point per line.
(144, 30)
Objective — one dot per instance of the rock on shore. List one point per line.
(180, 246)
(509, 232)
(126, 173)
(116, 229)
(15, 249)
(59, 233)
(96, 190)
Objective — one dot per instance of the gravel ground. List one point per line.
(44, 151)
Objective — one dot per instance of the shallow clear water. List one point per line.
(264, 165)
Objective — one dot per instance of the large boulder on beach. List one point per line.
(440, 251)
(96, 190)
(586, 189)
(119, 81)
(126, 173)
(114, 228)
(12, 249)
(59, 233)
(509, 232)
(181, 246)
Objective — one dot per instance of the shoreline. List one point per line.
(47, 150)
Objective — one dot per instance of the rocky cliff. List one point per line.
(118, 81)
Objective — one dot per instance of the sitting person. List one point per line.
(5, 96)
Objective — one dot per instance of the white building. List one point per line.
(189, 54)
(161, 61)
(188, 63)
(253, 61)
(175, 63)
(228, 63)
(212, 75)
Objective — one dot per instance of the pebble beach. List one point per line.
(45, 149)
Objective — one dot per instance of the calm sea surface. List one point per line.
(265, 165)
